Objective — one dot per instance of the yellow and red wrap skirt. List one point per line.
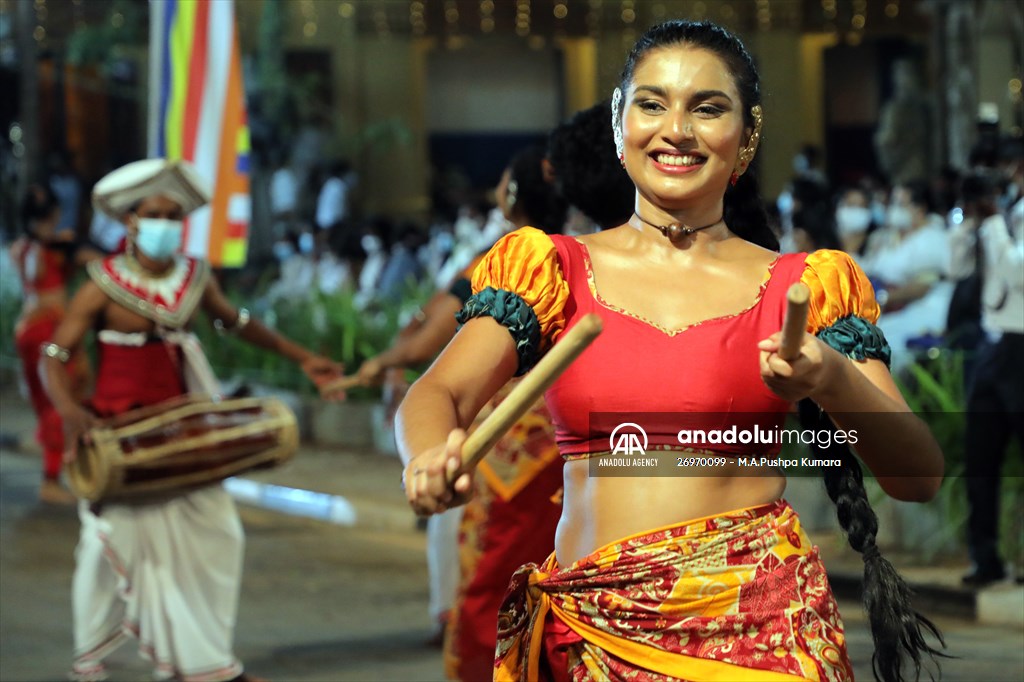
(741, 596)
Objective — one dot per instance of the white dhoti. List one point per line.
(168, 574)
(443, 560)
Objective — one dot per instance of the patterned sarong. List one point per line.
(739, 597)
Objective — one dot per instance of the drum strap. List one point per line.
(199, 376)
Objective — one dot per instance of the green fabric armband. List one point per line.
(856, 338)
(512, 312)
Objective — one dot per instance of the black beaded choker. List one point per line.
(675, 231)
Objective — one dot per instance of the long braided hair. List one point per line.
(897, 629)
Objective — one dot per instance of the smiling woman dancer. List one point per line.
(707, 576)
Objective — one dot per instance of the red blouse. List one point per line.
(704, 376)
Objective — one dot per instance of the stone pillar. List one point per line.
(579, 65)
(961, 81)
(778, 54)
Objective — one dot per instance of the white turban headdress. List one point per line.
(177, 180)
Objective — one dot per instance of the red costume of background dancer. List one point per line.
(44, 266)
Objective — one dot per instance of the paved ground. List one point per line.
(320, 601)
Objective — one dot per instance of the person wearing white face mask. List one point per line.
(912, 269)
(296, 280)
(178, 561)
(853, 220)
(376, 258)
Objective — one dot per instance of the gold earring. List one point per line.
(747, 153)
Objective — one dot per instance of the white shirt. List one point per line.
(332, 203)
(332, 274)
(284, 191)
(369, 276)
(296, 281)
(1003, 291)
(922, 254)
(962, 238)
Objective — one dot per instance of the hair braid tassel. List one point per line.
(898, 631)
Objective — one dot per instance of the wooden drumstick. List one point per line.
(795, 324)
(521, 398)
(340, 384)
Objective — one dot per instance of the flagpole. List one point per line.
(156, 13)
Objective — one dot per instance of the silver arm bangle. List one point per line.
(239, 325)
(52, 350)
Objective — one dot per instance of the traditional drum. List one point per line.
(180, 445)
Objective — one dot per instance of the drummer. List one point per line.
(167, 572)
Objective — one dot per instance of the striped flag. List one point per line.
(197, 113)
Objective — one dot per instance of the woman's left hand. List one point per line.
(805, 376)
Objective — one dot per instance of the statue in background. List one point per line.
(903, 141)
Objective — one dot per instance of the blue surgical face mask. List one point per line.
(159, 238)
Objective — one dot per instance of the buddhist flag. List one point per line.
(197, 113)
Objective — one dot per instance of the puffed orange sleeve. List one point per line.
(520, 284)
(843, 310)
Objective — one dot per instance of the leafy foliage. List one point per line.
(333, 325)
(10, 306)
(936, 391)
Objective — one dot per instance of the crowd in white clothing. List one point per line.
(916, 242)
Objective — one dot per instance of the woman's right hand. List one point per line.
(77, 422)
(426, 477)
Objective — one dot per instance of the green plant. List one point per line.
(333, 325)
(10, 307)
(934, 388)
